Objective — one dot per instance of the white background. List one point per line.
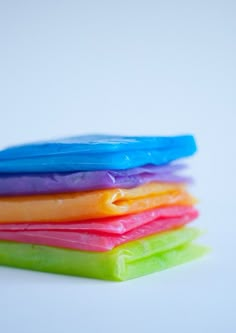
(128, 67)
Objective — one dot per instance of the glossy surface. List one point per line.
(117, 225)
(94, 144)
(137, 258)
(93, 241)
(95, 152)
(94, 204)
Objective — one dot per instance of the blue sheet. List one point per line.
(95, 152)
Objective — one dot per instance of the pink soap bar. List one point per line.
(111, 225)
(93, 241)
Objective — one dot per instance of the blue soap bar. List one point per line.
(95, 152)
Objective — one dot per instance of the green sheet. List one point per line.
(128, 261)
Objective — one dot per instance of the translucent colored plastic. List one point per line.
(128, 261)
(93, 241)
(117, 225)
(44, 183)
(94, 204)
(95, 152)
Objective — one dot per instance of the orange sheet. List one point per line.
(93, 204)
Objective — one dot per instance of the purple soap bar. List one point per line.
(43, 183)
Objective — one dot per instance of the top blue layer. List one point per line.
(95, 152)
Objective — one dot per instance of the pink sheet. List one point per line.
(112, 225)
(97, 241)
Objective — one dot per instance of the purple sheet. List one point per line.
(43, 183)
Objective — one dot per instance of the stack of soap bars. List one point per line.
(107, 207)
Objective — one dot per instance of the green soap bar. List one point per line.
(128, 261)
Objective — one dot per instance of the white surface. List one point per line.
(133, 67)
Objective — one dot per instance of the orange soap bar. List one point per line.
(93, 204)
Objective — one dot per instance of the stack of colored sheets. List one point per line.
(108, 207)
